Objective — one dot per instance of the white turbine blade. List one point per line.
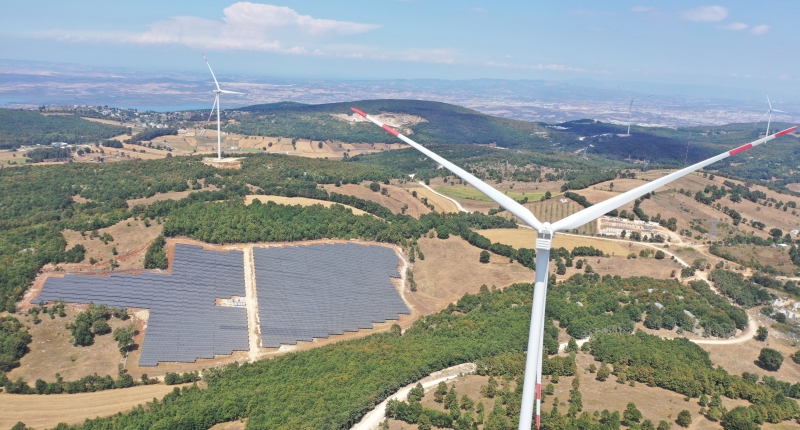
(212, 72)
(230, 92)
(779, 111)
(212, 110)
(626, 94)
(578, 219)
(503, 200)
(769, 102)
(761, 117)
(641, 98)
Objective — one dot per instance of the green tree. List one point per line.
(660, 255)
(632, 414)
(664, 425)
(416, 393)
(101, 327)
(703, 400)
(770, 359)
(761, 334)
(739, 418)
(466, 403)
(684, 418)
(124, 338)
(156, 256)
(424, 422)
(441, 391)
(374, 186)
(451, 399)
(484, 257)
(796, 356)
(603, 372)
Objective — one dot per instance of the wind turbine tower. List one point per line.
(630, 107)
(217, 92)
(532, 385)
(768, 114)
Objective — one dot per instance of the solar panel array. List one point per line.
(184, 323)
(320, 290)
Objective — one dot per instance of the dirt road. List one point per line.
(455, 202)
(373, 419)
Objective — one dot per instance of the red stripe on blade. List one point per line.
(390, 130)
(359, 112)
(785, 132)
(538, 421)
(740, 149)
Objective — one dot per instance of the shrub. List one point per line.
(770, 359)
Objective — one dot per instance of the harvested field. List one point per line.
(394, 201)
(39, 411)
(439, 203)
(470, 193)
(131, 239)
(451, 269)
(302, 201)
(52, 352)
(526, 238)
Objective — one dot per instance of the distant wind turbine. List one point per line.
(217, 92)
(768, 114)
(532, 386)
(630, 107)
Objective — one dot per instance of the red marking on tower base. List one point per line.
(740, 149)
(390, 130)
(359, 112)
(785, 132)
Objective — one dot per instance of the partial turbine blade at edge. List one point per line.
(212, 72)
(214, 106)
(503, 200)
(595, 211)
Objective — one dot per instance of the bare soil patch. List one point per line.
(451, 269)
(40, 411)
(233, 425)
(131, 239)
(526, 238)
(394, 201)
(440, 204)
(51, 351)
(302, 201)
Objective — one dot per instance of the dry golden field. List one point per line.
(394, 201)
(451, 269)
(40, 411)
(131, 239)
(440, 204)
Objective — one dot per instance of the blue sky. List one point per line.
(737, 44)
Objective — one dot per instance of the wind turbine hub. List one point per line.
(544, 238)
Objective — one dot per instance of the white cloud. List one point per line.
(706, 14)
(734, 26)
(244, 26)
(760, 29)
(642, 9)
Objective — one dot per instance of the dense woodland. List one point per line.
(24, 128)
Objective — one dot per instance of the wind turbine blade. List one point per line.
(503, 200)
(626, 94)
(212, 72)
(230, 92)
(769, 102)
(578, 219)
(641, 98)
(779, 111)
(212, 110)
(761, 117)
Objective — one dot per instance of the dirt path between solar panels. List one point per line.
(40, 411)
(253, 323)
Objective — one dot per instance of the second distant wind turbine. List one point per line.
(630, 107)
(217, 92)
(768, 114)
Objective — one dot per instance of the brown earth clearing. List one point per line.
(302, 201)
(52, 352)
(46, 411)
(131, 239)
(395, 200)
(451, 269)
(234, 425)
(440, 204)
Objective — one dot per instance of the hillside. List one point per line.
(443, 123)
(19, 127)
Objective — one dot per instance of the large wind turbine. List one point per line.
(532, 386)
(217, 92)
(630, 107)
(768, 114)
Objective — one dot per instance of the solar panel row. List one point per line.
(184, 323)
(308, 292)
